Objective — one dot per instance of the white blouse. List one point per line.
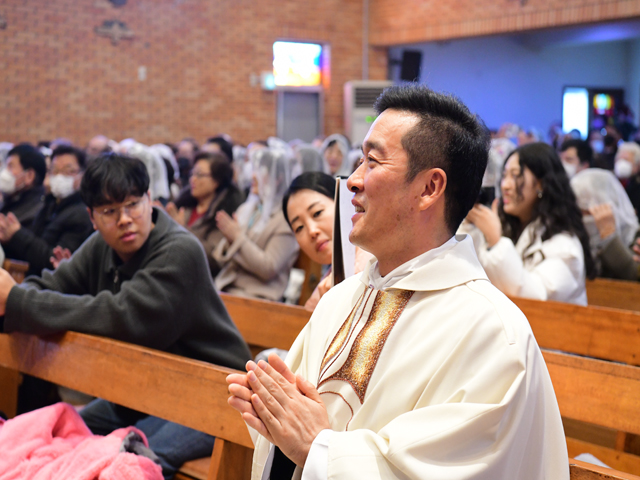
(552, 269)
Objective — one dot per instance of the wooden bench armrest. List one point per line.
(587, 471)
(178, 389)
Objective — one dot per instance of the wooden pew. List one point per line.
(621, 294)
(598, 332)
(64, 360)
(16, 268)
(585, 471)
(11, 379)
(599, 393)
(175, 388)
(264, 324)
(312, 275)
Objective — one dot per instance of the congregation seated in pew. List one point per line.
(141, 279)
(247, 261)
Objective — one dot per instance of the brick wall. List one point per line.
(427, 20)
(59, 78)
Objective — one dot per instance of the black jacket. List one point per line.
(66, 223)
(24, 205)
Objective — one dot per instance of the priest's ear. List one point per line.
(432, 184)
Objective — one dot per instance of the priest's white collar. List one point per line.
(452, 263)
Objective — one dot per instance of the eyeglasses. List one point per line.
(200, 174)
(133, 209)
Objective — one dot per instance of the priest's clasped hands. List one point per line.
(286, 409)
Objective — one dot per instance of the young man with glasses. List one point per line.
(141, 279)
(61, 222)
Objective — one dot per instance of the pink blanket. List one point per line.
(54, 443)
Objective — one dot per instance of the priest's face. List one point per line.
(382, 194)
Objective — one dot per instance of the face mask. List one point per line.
(571, 169)
(622, 168)
(598, 146)
(7, 182)
(61, 185)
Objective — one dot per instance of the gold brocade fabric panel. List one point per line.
(342, 337)
(365, 351)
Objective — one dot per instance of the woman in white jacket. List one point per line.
(535, 244)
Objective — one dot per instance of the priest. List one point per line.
(419, 367)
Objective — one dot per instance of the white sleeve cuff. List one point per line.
(315, 468)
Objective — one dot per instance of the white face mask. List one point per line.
(61, 185)
(623, 169)
(7, 182)
(571, 169)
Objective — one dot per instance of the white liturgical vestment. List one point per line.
(436, 377)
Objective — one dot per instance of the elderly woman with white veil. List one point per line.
(259, 248)
(335, 150)
(610, 221)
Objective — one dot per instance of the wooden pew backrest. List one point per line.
(595, 391)
(614, 294)
(585, 471)
(264, 324)
(598, 332)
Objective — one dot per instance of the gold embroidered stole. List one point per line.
(352, 355)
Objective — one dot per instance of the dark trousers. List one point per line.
(174, 444)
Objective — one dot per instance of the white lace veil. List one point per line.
(271, 172)
(595, 186)
(343, 144)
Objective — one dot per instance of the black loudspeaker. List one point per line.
(410, 67)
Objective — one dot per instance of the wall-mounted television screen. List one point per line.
(297, 64)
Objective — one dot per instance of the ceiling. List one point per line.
(579, 35)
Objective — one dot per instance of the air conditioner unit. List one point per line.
(359, 96)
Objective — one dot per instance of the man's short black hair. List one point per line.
(81, 157)
(447, 136)
(111, 178)
(583, 149)
(31, 158)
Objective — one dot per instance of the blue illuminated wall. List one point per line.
(503, 79)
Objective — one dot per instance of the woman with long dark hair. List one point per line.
(309, 208)
(535, 244)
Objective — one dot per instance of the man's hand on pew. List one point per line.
(290, 415)
(6, 284)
